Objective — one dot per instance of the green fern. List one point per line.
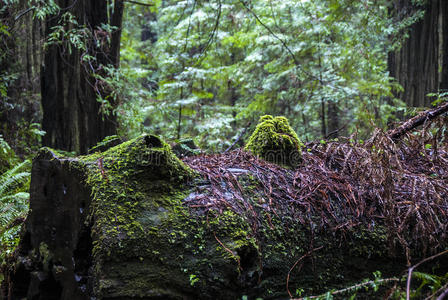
(14, 185)
(15, 180)
(14, 196)
(7, 156)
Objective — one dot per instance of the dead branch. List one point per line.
(354, 287)
(408, 284)
(292, 268)
(238, 138)
(416, 121)
(443, 295)
(139, 3)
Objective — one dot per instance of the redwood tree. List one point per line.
(72, 116)
(421, 65)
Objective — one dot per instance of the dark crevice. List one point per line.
(83, 260)
(25, 243)
(249, 265)
(21, 279)
(248, 257)
(153, 141)
(50, 289)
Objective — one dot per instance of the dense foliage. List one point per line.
(208, 69)
(14, 185)
(211, 68)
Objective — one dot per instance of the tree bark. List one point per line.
(420, 64)
(20, 56)
(444, 44)
(116, 21)
(71, 113)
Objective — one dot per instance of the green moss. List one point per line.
(139, 223)
(148, 243)
(274, 140)
(45, 255)
(106, 143)
(132, 184)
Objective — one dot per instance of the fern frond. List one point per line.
(10, 213)
(13, 205)
(17, 199)
(13, 183)
(24, 166)
(15, 180)
(7, 156)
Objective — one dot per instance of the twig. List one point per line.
(24, 13)
(285, 45)
(443, 295)
(139, 3)
(296, 62)
(211, 36)
(189, 26)
(438, 291)
(102, 170)
(337, 130)
(354, 287)
(411, 269)
(70, 6)
(295, 264)
(238, 138)
(228, 250)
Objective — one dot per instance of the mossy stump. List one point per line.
(275, 141)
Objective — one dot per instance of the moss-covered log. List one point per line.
(132, 223)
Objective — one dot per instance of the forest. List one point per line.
(228, 149)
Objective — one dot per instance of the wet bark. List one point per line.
(421, 64)
(20, 58)
(72, 116)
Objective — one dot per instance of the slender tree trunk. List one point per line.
(148, 32)
(322, 116)
(116, 21)
(71, 113)
(333, 119)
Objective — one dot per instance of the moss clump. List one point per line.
(132, 184)
(274, 140)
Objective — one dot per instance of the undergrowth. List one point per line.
(14, 196)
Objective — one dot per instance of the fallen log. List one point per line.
(135, 222)
(418, 120)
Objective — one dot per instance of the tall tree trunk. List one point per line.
(444, 43)
(420, 66)
(20, 60)
(72, 115)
